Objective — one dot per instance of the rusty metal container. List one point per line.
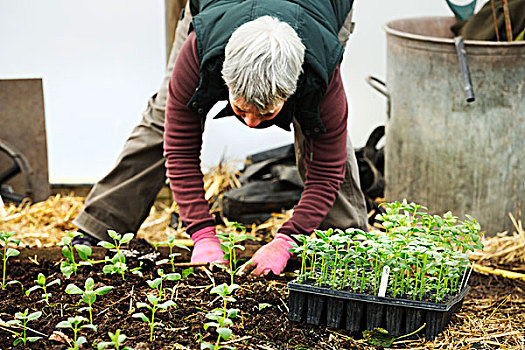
(442, 151)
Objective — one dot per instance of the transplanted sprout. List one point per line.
(74, 323)
(221, 318)
(117, 264)
(171, 244)
(21, 319)
(70, 265)
(230, 242)
(41, 284)
(116, 341)
(5, 237)
(89, 295)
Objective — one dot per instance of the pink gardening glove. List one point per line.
(206, 247)
(271, 257)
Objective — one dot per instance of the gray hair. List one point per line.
(263, 61)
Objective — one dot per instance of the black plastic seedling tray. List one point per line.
(359, 312)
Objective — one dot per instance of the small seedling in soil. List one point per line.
(7, 253)
(155, 305)
(382, 339)
(41, 284)
(221, 318)
(22, 318)
(171, 244)
(117, 340)
(74, 324)
(70, 266)
(230, 243)
(185, 273)
(89, 295)
(117, 264)
(157, 283)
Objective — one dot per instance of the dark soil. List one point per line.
(256, 328)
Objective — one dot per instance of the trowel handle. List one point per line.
(465, 72)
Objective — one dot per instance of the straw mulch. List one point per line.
(493, 314)
(505, 249)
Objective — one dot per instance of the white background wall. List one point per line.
(100, 60)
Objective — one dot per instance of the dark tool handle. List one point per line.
(465, 71)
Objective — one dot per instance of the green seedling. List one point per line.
(41, 284)
(21, 320)
(154, 300)
(117, 264)
(185, 273)
(7, 253)
(74, 323)
(171, 244)
(157, 283)
(70, 265)
(221, 318)
(154, 305)
(302, 251)
(117, 340)
(382, 339)
(230, 242)
(89, 295)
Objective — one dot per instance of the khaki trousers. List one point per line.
(121, 200)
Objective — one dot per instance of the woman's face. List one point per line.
(250, 114)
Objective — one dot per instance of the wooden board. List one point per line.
(22, 125)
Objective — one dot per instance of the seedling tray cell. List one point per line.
(394, 319)
(354, 315)
(316, 309)
(334, 312)
(359, 312)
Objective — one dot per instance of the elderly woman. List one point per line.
(277, 63)
(276, 67)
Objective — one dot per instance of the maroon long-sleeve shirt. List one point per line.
(325, 163)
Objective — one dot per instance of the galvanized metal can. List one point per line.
(442, 151)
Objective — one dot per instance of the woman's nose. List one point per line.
(251, 120)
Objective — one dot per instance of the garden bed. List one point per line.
(262, 324)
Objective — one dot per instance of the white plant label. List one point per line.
(384, 281)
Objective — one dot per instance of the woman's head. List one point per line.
(263, 61)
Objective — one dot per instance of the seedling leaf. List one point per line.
(126, 238)
(103, 290)
(63, 324)
(141, 316)
(83, 251)
(225, 333)
(72, 289)
(12, 252)
(34, 315)
(106, 245)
